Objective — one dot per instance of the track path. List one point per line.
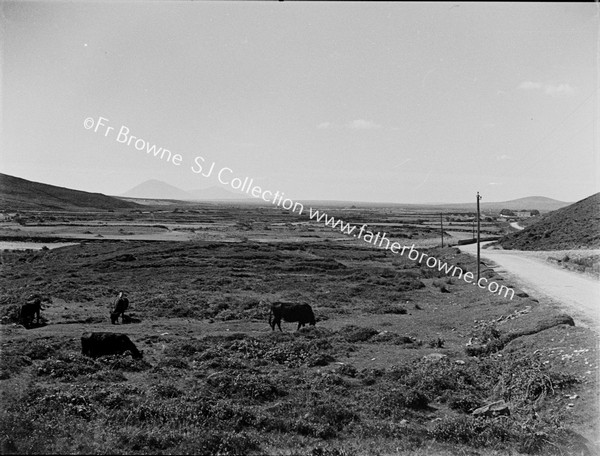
(575, 293)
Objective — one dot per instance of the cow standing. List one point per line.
(290, 312)
(29, 310)
(97, 344)
(120, 306)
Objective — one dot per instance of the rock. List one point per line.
(459, 361)
(434, 357)
(543, 324)
(494, 409)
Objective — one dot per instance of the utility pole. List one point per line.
(442, 229)
(478, 237)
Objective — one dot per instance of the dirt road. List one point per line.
(516, 226)
(573, 292)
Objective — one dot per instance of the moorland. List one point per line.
(400, 358)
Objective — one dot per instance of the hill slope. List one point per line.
(572, 227)
(21, 194)
(541, 203)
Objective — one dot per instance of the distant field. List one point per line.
(233, 222)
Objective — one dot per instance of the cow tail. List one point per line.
(270, 316)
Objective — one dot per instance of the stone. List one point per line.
(434, 357)
(494, 409)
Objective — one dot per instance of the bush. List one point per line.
(463, 403)
(476, 432)
(393, 404)
(437, 343)
(394, 309)
(525, 380)
(353, 333)
(347, 370)
(68, 367)
(248, 386)
(124, 363)
(12, 364)
(40, 349)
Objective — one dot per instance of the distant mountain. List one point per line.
(572, 227)
(155, 189)
(541, 203)
(21, 194)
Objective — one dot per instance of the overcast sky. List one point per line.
(391, 102)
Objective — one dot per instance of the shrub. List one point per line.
(124, 363)
(249, 386)
(353, 333)
(464, 403)
(525, 380)
(437, 343)
(347, 369)
(40, 349)
(477, 432)
(68, 367)
(392, 309)
(12, 364)
(166, 391)
(393, 404)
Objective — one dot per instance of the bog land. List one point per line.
(403, 359)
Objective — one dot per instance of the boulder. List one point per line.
(494, 409)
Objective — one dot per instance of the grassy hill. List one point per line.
(572, 227)
(21, 194)
(541, 203)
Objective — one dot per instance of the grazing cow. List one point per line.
(29, 310)
(107, 343)
(120, 306)
(290, 312)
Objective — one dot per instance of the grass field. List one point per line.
(399, 359)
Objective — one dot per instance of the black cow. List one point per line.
(107, 343)
(29, 310)
(120, 306)
(290, 312)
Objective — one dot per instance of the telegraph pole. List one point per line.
(442, 229)
(478, 237)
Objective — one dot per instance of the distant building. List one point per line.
(521, 214)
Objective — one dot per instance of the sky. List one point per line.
(378, 102)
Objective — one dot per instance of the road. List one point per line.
(574, 293)
(516, 226)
